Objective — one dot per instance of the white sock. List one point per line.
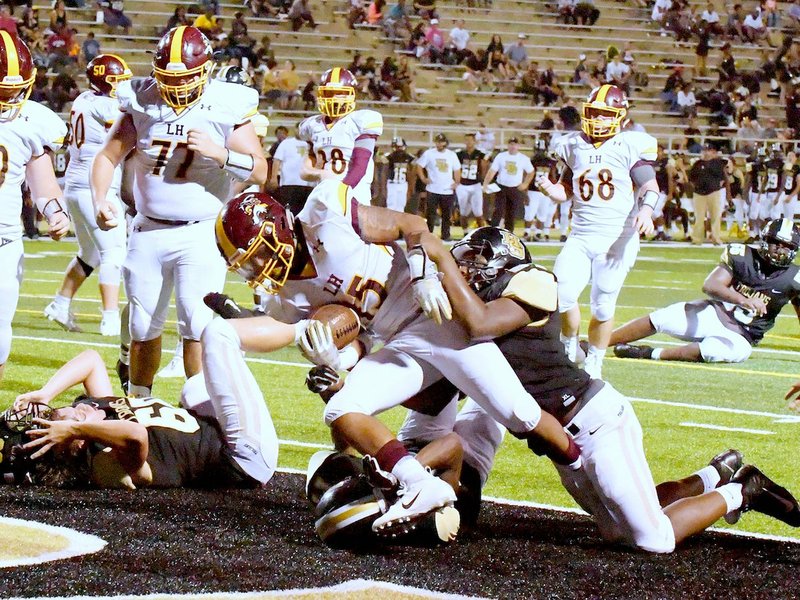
(179, 348)
(598, 353)
(111, 314)
(656, 355)
(139, 391)
(710, 477)
(62, 301)
(732, 494)
(570, 345)
(409, 470)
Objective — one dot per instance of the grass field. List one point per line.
(689, 412)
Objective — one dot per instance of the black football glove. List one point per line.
(320, 379)
(226, 307)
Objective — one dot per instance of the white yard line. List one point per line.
(721, 428)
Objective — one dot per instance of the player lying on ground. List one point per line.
(497, 292)
(747, 291)
(340, 251)
(226, 439)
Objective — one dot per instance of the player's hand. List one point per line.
(199, 141)
(226, 307)
(644, 221)
(322, 379)
(543, 183)
(317, 345)
(754, 305)
(106, 216)
(431, 297)
(59, 225)
(36, 396)
(793, 396)
(49, 434)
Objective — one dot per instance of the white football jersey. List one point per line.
(35, 130)
(91, 117)
(333, 144)
(604, 199)
(171, 182)
(343, 268)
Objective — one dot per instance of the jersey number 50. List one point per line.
(605, 189)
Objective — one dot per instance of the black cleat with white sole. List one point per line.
(761, 494)
(727, 463)
(633, 351)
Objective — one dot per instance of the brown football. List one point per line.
(343, 320)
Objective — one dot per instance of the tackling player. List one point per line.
(28, 131)
(191, 138)
(340, 251)
(747, 291)
(92, 115)
(602, 164)
(341, 140)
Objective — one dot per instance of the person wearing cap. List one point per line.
(709, 178)
(514, 173)
(435, 39)
(287, 164)
(517, 54)
(439, 169)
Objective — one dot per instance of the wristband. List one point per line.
(650, 198)
(49, 207)
(418, 263)
(239, 165)
(300, 329)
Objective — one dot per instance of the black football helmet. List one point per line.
(233, 74)
(327, 468)
(16, 465)
(345, 513)
(487, 252)
(780, 239)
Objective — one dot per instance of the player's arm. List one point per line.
(527, 180)
(87, 368)
(120, 141)
(242, 155)
(719, 286)
(47, 195)
(644, 179)
(456, 177)
(363, 149)
(420, 171)
(266, 334)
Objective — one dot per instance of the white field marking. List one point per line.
(721, 428)
(305, 444)
(652, 308)
(777, 418)
(344, 588)
(79, 543)
(91, 300)
(30, 279)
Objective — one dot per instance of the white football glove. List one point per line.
(426, 286)
(317, 345)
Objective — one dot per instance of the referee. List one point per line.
(514, 173)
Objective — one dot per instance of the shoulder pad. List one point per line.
(46, 127)
(534, 286)
(644, 145)
(731, 251)
(368, 121)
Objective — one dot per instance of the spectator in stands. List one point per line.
(7, 21)
(687, 103)
(58, 16)
(90, 48)
(498, 67)
(476, 69)
(59, 46)
(770, 131)
(735, 23)
(63, 90)
(586, 13)
(405, 81)
(357, 13)
(727, 65)
(769, 13)
(618, 73)
(566, 11)
(678, 20)
(748, 135)
(549, 89)
(308, 96)
(792, 108)
(701, 52)
(581, 72)
(177, 19)
(375, 12)
(28, 26)
(41, 85)
(517, 55)
(691, 135)
(113, 16)
(484, 139)
(209, 24)
(794, 14)
(396, 23)
(416, 37)
(673, 83)
(710, 21)
(262, 9)
(459, 39)
(300, 13)
(238, 34)
(280, 86)
(390, 75)
(496, 43)
(753, 28)
(425, 9)
(529, 82)
(265, 56)
(435, 42)
(660, 8)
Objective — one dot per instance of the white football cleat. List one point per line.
(173, 369)
(413, 502)
(65, 318)
(110, 324)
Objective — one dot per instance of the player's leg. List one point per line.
(563, 219)
(699, 227)
(529, 217)
(476, 203)
(719, 471)
(573, 268)
(199, 269)
(111, 248)
(238, 404)
(462, 196)
(11, 261)
(632, 331)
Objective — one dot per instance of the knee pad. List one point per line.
(341, 405)
(5, 342)
(143, 326)
(603, 305)
(525, 417)
(111, 266)
(87, 268)
(219, 330)
(717, 349)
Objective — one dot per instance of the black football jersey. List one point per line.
(662, 174)
(755, 169)
(755, 277)
(773, 174)
(543, 164)
(185, 449)
(399, 165)
(470, 166)
(790, 178)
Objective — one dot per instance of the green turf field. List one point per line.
(688, 412)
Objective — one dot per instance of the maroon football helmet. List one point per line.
(255, 235)
(336, 93)
(17, 74)
(604, 112)
(181, 66)
(105, 71)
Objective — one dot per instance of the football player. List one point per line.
(497, 292)
(28, 131)
(338, 250)
(469, 190)
(540, 210)
(774, 181)
(747, 291)
(341, 140)
(222, 436)
(92, 115)
(602, 166)
(191, 137)
(791, 186)
(755, 173)
(401, 176)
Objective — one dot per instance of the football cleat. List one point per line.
(726, 464)
(414, 502)
(633, 351)
(378, 478)
(173, 369)
(761, 494)
(123, 372)
(65, 318)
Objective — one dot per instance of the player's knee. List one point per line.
(717, 350)
(144, 326)
(603, 306)
(85, 263)
(525, 416)
(341, 405)
(660, 540)
(220, 331)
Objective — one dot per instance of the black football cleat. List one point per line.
(123, 372)
(633, 351)
(761, 494)
(727, 463)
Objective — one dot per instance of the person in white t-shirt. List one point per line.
(440, 170)
(484, 139)
(710, 20)
(459, 38)
(753, 28)
(514, 173)
(287, 164)
(617, 73)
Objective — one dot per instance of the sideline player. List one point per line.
(498, 292)
(603, 164)
(401, 176)
(470, 189)
(755, 175)
(191, 137)
(747, 291)
(341, 140)
(28, 131)
(92, 115)
(539, 209)
(340, 251)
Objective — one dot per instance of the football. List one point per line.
(343, 321)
